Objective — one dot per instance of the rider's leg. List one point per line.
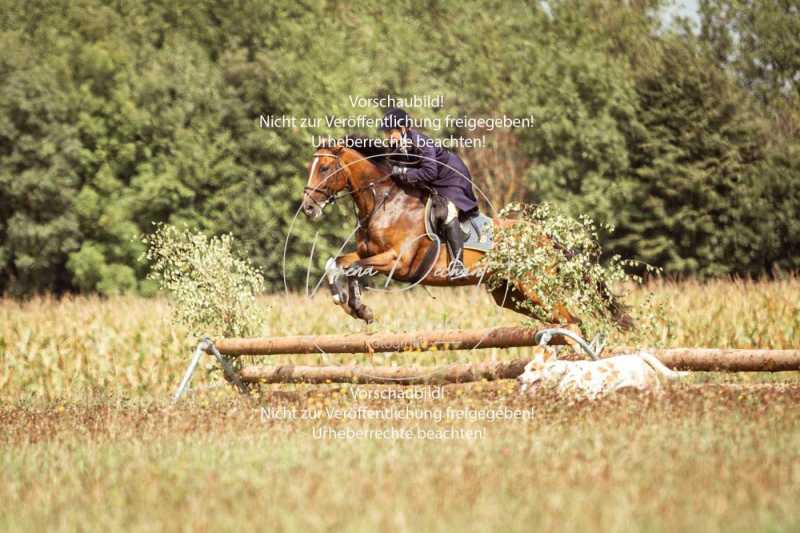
(455, 242)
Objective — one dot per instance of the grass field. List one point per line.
(89, 440)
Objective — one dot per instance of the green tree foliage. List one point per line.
(118, 115)
(584, 102)
(655, 137)
(128, 122)
(689, 205)
(757, 42)
(758, 39)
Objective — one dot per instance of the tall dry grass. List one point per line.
(89, 441)
(699, 458)
(127, 346)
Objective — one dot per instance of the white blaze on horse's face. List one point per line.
(324, 176)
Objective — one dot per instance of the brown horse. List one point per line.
(391, 237)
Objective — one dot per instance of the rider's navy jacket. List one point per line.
(441, 170)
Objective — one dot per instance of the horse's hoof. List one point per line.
(365, 314)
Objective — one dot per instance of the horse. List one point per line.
(391, 238)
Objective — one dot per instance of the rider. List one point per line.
(440, 170)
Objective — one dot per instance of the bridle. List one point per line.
(331, 197)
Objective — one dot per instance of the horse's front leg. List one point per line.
(343, 274)
(383, 263)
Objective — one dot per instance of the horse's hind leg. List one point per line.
(524, 301)
(509, 296)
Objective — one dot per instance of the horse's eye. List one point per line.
(324, 168)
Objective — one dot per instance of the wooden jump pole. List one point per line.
(454, 373)
(721, 359)
(697, 359)
(470, 339)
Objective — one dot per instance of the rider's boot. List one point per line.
(455, 242)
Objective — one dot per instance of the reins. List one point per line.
(331, 197)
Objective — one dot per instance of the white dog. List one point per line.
(592, 379)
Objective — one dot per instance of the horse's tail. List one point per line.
(619, 311)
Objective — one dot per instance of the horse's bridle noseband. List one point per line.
(330, 197)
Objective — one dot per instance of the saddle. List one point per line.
(477, 229)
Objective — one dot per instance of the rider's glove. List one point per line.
(399, 172)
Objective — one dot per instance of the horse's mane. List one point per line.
(369, 147)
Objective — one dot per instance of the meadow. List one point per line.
(90, 440)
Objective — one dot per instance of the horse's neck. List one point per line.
(370, 200)
(371, 194)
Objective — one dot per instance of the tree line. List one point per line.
(116, 115)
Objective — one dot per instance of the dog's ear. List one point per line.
(551, 353)
(539, 358)
(529, 377)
